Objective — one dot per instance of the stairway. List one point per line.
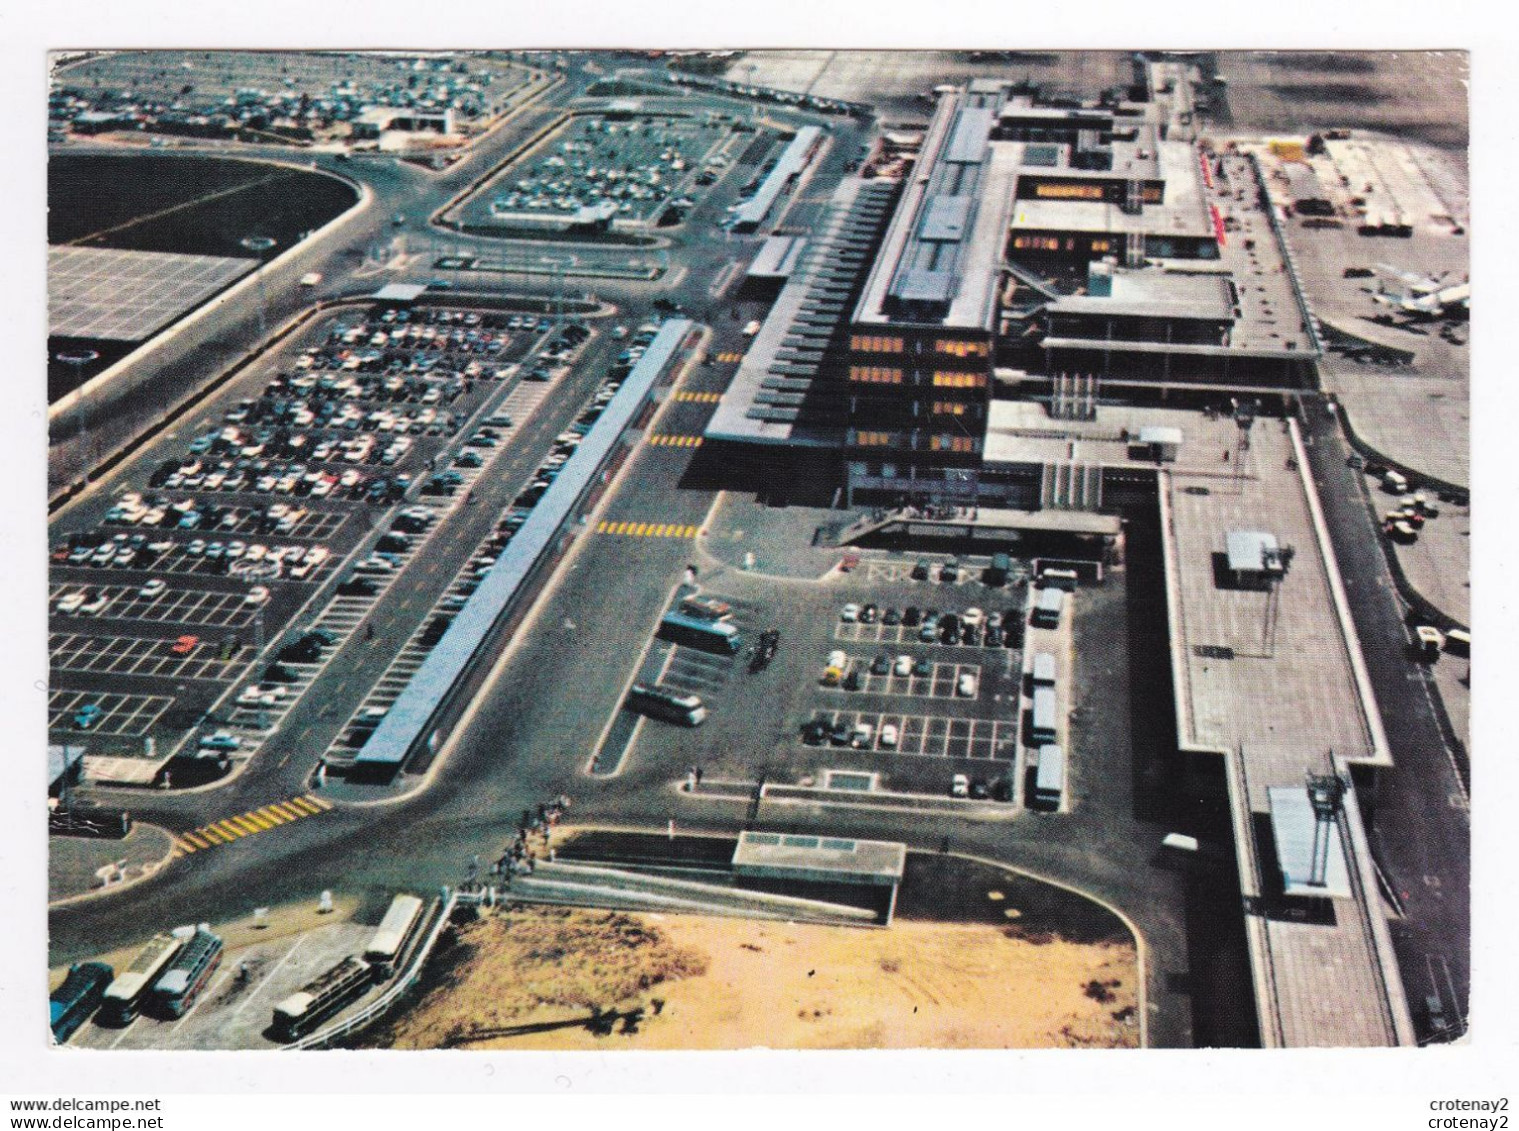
(587, 885)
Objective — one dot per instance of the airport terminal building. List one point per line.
(1066, 255)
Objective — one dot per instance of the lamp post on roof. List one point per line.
(77, 359)
(260, 246)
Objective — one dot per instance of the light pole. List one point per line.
(77, 359)
(259, 245)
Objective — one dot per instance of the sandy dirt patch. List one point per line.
(532, 978)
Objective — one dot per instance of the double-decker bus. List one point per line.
(699, 632)
(307, 1008)
(394, 932)
(671, 706)
(179, 985)
(123, 998)
(71, 1004)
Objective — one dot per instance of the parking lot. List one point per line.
(319, 93)
(626, 171)
(125, 716)
(295, 466)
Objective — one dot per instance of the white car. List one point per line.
(152, 589)
(888, 739)
(972, 617)
(904, 665)
(751, 329)
(257, 595)
(863, 733)
(850, 613)
(70, 603)
(959, 786)
(90, 608)
(966, 688)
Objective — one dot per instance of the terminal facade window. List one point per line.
(1057, 191)
(949, 380)
(953, 444)
(872, 439)
(950, 408)
(871, 343)
(1036, 243)
(959, 348)
(875, 375)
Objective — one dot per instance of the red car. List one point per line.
(185, 645)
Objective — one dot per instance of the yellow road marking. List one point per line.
(320, 802)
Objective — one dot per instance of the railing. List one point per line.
(397, 987)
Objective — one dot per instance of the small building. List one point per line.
(1310, 854)
(1253, 557)
(1157, 442)
(825, 859)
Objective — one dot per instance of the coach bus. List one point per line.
(699, 632)
(671, 706)
(307, 1008)
(123, 998)
(71, 1004)
(176, 990)
(394, 932)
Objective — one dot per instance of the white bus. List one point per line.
(394, 932)
(303, 1010)
(124, 996)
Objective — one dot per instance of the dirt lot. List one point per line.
(560, 978)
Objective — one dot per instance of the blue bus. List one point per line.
(72, 1003)
(698, 632)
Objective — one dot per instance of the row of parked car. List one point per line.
(973, 627)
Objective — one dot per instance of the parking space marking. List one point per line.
(934, 736)
(128, 655)
(942, 682)
(121, 715)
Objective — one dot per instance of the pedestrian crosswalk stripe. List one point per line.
(698, 396)
(670, 440)
(263, 820)
(649, 529)
(730, 356)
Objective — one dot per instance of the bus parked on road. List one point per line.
(72, 1003)
(176, 990)
(393, 934)
(307, 1008)
(698, 632)
(671, 706)
(124, 997)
